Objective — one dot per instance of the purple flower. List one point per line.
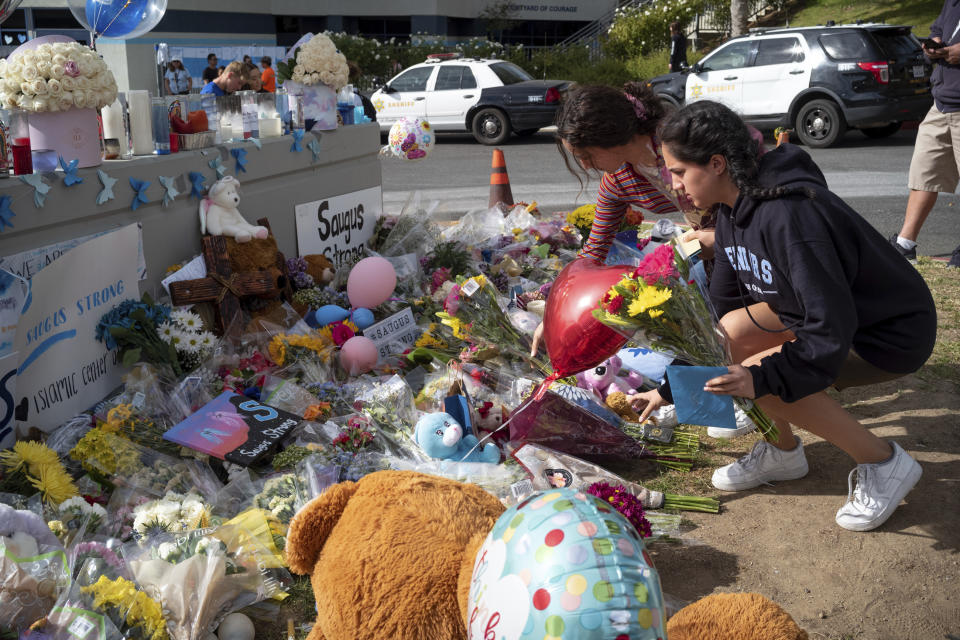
(70, 68)
(625, 502)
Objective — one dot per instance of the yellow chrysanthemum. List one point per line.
(54, 483)
(138, 608)
(583, 215)
(648, 298)
(278, 349)
(28, 454)
(655, 313)
(454, 323)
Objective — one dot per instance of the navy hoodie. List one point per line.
(830, 277)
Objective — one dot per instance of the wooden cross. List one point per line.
(223, 288)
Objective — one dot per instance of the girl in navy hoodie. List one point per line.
(811, 296)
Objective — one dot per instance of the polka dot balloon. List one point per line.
(564, 565)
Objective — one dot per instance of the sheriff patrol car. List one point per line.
(819, 81)
(489, 98)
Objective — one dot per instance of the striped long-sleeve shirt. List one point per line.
(618, 191)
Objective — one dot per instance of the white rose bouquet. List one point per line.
(174, 513)
(56, 76)
(317, 61)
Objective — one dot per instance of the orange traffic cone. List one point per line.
(499, 181)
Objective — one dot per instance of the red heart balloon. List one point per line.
(575, 340)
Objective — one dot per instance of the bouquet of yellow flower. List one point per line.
(132, 611)
(657, 307)
(309, 353)
(33, 466)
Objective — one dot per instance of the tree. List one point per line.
(738, 17)
(498, 16)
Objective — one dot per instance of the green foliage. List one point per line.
(918, 13)
(656, 63)
(639, 31)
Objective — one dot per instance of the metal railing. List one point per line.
(589, 35)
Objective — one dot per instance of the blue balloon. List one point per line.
(118, 18)
(327, 314)
(363, 318)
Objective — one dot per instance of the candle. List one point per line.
(113, 120)
(271, 126)
(140, 128)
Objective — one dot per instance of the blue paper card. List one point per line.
(696, 406)
(458, 407)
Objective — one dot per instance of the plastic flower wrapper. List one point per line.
(173, 512)
(200, 576)
(411, 232)
(390, 415)
(508, 482)
(77, 519)
(101, 550)
(101, 612)
(478, 225)
(33, 568)
(659, 307)
(549, 469)
(474, 313)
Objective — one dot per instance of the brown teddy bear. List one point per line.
(392, 556)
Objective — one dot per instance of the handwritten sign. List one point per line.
(27, 264)
(62, 368)
(394, 335)
(339, 226)
(13, 292)
(8, 406)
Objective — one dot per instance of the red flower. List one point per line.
(340, 333)
(657, 266)
(615, 303)
(625, 502)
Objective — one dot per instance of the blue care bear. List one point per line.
(441, 436)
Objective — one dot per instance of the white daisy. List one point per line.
(166, 331)
(207, 339)
(190, 344)
(187, 320)
(178, 337)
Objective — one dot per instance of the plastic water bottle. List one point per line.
(160, 117)
(208, 102)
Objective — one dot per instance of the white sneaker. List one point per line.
(764, 463)
(744, 425)
(880, 488)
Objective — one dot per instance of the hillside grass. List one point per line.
(918, 13)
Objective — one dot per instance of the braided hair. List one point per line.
(700, 130)
(602, 116)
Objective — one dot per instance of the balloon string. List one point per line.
(122, 9)
(516, 412)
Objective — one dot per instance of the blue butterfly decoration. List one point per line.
(297, 140)
(256, 142)
(240, 155)
(70, 176)
(196, 184)
(169, 191)
(140, 196)
(5, 213)
(217, 165)
(107, 192)
(314, 147)
(40, 188)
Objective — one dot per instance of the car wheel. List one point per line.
(491, 126)
(882, 132)
(820, 124)
(523, 133)
(670, 104)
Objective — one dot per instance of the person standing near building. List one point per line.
(935, 166)
(268, 79)
(678, 47)
(211, 72)
(177, 79)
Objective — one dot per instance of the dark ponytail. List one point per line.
(700, 130)
(602, 116)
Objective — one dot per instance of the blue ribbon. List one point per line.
(314, 147)
(297, 140)
(70, 176)
(169, 191)
(107, 192)
(140, 197)
(196, 184)
(5, 213)
(240, 155)
(217, 165)
(40, 188)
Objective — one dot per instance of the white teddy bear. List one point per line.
(219, 215)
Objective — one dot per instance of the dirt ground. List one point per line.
(901, 581)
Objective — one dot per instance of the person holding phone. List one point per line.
(935, 166)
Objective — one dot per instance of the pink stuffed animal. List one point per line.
(605, 378)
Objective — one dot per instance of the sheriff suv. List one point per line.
(818, 81)
(489, 98)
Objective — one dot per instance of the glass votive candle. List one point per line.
(44, 160)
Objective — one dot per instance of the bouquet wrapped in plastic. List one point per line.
(200, 576)
(657, 307)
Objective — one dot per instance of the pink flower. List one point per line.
(452, 304)
(439, 276)
(340, 333)
(70, 68)
(657, 266)
(625, 502)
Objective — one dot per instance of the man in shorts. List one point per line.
(935, 167)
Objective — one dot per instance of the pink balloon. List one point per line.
(358, 355)
(370, 283)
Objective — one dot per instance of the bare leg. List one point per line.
(919, 205)
(818, 413)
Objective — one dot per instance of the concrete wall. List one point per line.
(276, 180)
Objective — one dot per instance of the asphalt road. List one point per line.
(871, 175)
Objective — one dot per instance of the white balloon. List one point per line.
(236, 626)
